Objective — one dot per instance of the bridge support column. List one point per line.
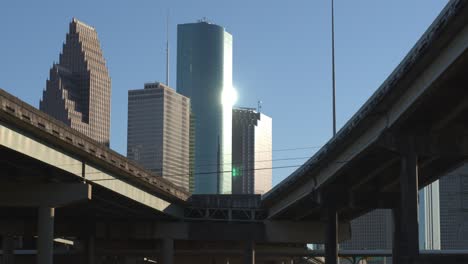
(396, 258)
(331, 237)
(8, 242)
(167, 251)
(407, 224)
(249, 254)
(90, 247)
(45, 245)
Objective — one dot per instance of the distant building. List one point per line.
(251, 152)
(158, 136)
(204, 74)
(78, 91)
(373, 230)
(454, 209)
(429, 217)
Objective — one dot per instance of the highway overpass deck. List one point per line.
(423, 100)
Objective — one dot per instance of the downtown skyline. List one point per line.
(294, 89)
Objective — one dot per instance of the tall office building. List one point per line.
(374, 230)
(158, 136)
(78, 91)
(429, 217)
(251, 151)
(204, 74)
(371, 231)
(454, 209)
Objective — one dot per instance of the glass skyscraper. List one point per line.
(204, 74)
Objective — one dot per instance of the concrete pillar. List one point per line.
(409, 226)
(249, 254)
(90, 248)
(331, 237)
(45, 243)
(167, 251)
(396, 236)
(8, 242)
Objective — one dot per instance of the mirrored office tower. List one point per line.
(251, 151)
(158, 136)
(204, 74)
(78, 91)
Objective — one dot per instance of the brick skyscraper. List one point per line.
(79, 87)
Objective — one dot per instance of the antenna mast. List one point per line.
(167, 49)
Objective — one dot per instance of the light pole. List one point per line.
(333, 67)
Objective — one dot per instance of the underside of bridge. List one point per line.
(56, 205)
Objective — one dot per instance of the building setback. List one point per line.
(204, 73)
(78, 90)
(251, 152)
(158, 135)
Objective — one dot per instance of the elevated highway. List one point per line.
(58, 184)
(410, 132)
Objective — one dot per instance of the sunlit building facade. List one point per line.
(78, 91)
(204, 74)
(429, 217)
(251, 151)
(158, 135)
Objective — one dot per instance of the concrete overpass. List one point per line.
(57, 184)
(99, 207)
(410, 132)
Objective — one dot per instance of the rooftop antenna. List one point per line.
(333, 67)
(259, 106)
(167, 48)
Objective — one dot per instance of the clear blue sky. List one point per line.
(281, 54)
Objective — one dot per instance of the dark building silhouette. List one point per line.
(79, 87)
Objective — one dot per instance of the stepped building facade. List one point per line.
(78, 91)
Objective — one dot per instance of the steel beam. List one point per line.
(43, 195)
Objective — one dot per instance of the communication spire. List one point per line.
(167, 48)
